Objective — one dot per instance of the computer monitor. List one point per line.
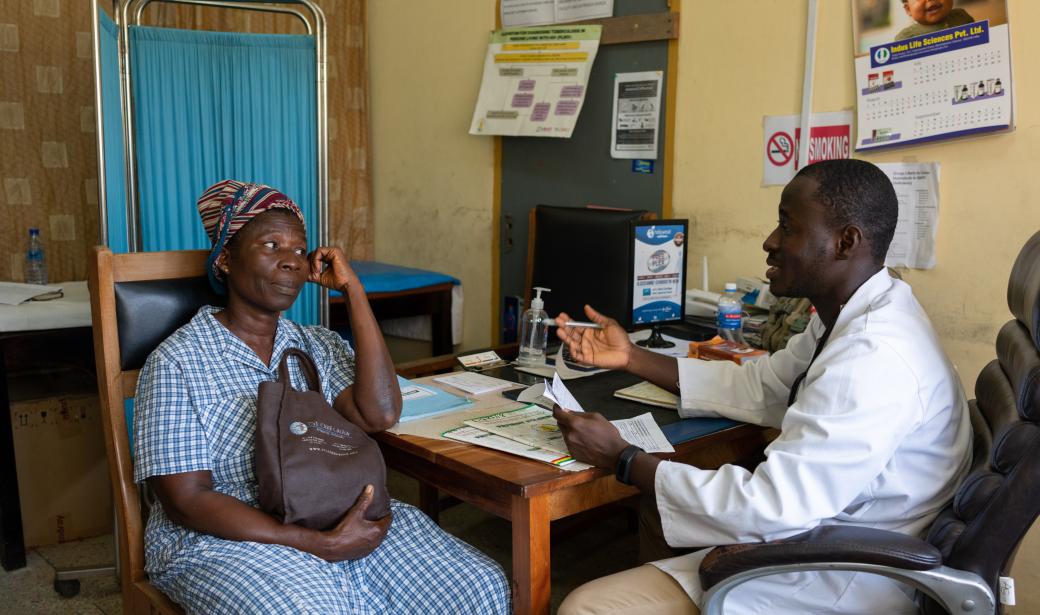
(658, 276)
(585, 256)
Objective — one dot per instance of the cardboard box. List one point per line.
(62, 470)
(717, 349)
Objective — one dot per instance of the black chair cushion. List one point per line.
(148, 312)
(1024, 287)
(1021, 364)
(996, 398)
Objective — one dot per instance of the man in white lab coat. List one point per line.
(874, 424)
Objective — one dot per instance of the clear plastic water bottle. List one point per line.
(731, 315)
(534, 332)
(35, 265)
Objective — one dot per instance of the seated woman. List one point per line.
(208, 546)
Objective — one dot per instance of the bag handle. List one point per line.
(310, 372)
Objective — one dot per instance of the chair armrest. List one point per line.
(831, 543)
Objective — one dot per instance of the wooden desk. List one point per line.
(531, 494)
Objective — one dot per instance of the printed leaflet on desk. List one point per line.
(472, 435)
(529, 425)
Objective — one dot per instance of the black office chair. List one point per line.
(972, 543)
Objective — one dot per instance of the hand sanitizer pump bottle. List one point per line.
(534, 332)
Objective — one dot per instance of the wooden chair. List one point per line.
(136, 301)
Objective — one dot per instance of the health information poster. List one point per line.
(930, 69)
(534, 81)
(637, 112)
(917, 188)
(659, 257)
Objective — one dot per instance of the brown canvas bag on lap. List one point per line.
(312, 463)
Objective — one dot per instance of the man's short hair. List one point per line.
(857, 193)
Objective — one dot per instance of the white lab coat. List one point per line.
(879, 436)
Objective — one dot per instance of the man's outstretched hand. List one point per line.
(608, 347)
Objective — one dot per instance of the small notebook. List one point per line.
(421, 402)
(647, 393)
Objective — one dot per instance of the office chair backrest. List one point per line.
(998, 502)
(584, 255)
(136, 300)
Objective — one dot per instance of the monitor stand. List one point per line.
(655, 340)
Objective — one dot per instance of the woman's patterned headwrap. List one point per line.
(226, 207)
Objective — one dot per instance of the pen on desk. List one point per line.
(572, 323)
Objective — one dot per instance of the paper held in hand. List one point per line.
(644, 432)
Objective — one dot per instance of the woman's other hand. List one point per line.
(355, 537)
(608, 347)
(329, 268)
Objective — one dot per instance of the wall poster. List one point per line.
(930, 69)
(534, 81)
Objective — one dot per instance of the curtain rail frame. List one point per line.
(123, 7)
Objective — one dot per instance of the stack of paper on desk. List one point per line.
(474, 384)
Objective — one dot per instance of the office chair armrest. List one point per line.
(830, 543)
(956, 591)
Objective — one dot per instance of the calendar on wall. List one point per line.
(930, 69)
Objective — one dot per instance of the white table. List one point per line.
(54, 322)
(72, 310)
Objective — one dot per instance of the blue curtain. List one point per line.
(112, 120)
(215, 105)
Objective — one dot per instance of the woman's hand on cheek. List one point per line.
(330, 268)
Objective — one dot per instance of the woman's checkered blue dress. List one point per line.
(196, 410)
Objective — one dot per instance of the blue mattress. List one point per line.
(384, 277)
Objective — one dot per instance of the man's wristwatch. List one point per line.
(623, 471)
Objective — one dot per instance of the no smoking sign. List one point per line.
(780, 148)
(829, 137)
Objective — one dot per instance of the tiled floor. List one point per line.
(605, 546)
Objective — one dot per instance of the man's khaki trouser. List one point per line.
(639, 590)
